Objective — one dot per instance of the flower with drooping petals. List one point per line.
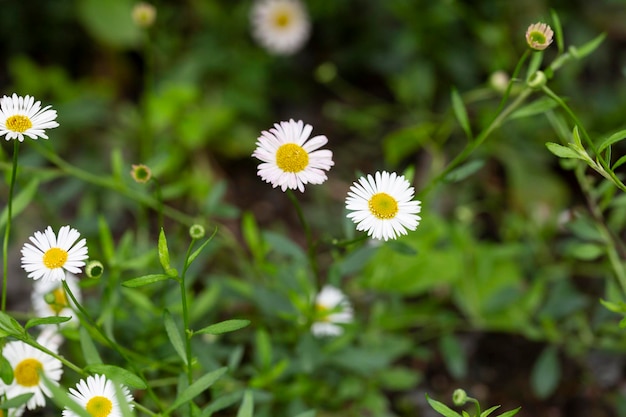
(280, 26)
(21, 116)
(289, 158)
(383, 205)
(52, 255)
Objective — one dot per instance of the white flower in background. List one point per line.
(290, 158)
(21, 116)
(52, 255)
(27, 364)
(98, 396)
(332, 308)
(383, 205)
(280, 26)
(49, 298)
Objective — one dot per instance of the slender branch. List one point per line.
(7, 230)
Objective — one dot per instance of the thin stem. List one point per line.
(183, 296)
(7, 230)
(475, 401)
(64, 361)
(159, 197)
(307, 232)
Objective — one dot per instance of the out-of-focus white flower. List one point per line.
(280, 26)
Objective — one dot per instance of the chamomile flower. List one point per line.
(52, 255)
(28, 364)
(98, 396)
(539, 36)
(383, 205)
(280, 26)
(290, 159)
(49, 298)
(21, 116)
(332, 308)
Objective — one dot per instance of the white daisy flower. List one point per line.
(98, 396)
(49, 298)
(21, 116)
(27, 364)
(52, 255)
(290, 158)
(280, 26)
(332, 308)
(383, 205)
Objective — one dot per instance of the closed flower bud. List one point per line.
(539, 36)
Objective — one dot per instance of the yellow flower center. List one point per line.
(282, 19)
(26, 373)
(59, 302)
(99, 406)
(54, 258)
(292, 158)
(18, 123)
(383, 206)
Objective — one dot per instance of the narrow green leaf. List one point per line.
(539, 106)
(145, 280)
(308, 413)
(464, 170)
(46, 320)
(20, 201)
(117, 374)
(263, 351)
(106, 240)
(453, 356)
(16, 401)
(441, 408)
(558, 30)
(247, 405)
(90, 352)
(614, 307)
(195, 389)
(546, 373)
(9, 326)
(510, 413)
(461, 113)
(576, 137)
(610, 140)
(224, 327)
(62, 400)
(489, 411)
(563, 151)
(619, 162)
(6, 371)
(221, 403)
(174, 335)
(589, 47)
(195, 253)
(164, 254)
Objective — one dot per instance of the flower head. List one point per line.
(21, 116)
(290, 158)
(280, 26)
(50, 299)
(383, 205)
(98, 396)
(539, 36)
(52, 255)
(331, 308)
(27, 364)
(144, 14)
(141, 173)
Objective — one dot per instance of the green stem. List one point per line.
(64, 361)
(145, 410)
(475, 401)
(183, 295)
(307, 231)
(7, 230)
(159, 197)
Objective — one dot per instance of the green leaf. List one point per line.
(453, 356)
(564, 151)
(174, 335)
(6, 371)
(461, 113)
(106, 240)
(195, 389)
(546, 373)
(441, 408)
(46, 320)
(558, 30)
(9, 326)
(224, 327)
(619, 162)
(90, 352)
(110, 22)
(539, 106)
(16, 401)
(308, 413)
(400, 143)
(195, 253)
(145, 280)
(164, 253)
(610, 140)
(247, 405)
(263, 351)
(221, 403)
(614, 307)
(464, 170)
(489, 411)
(586, 49)
(61, 399)
(510, 413)
(20, 201)
(117, 374)
(585, 251)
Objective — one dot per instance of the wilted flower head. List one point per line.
(141, 173)
(539, 36)
(383, 205)
(144, 14)
(21, 116)
(290, 158)
(332, 308)
(280, 26)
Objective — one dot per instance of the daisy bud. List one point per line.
(196, 231)
(459, 397)
(537, 80)
(539, 36)
(141, 173)
(94, 269)
(144, 14)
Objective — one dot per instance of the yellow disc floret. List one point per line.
(383, 206)
(26, 373)
(18, 123)
(292, 158)
(54, 258)
(99, 406)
